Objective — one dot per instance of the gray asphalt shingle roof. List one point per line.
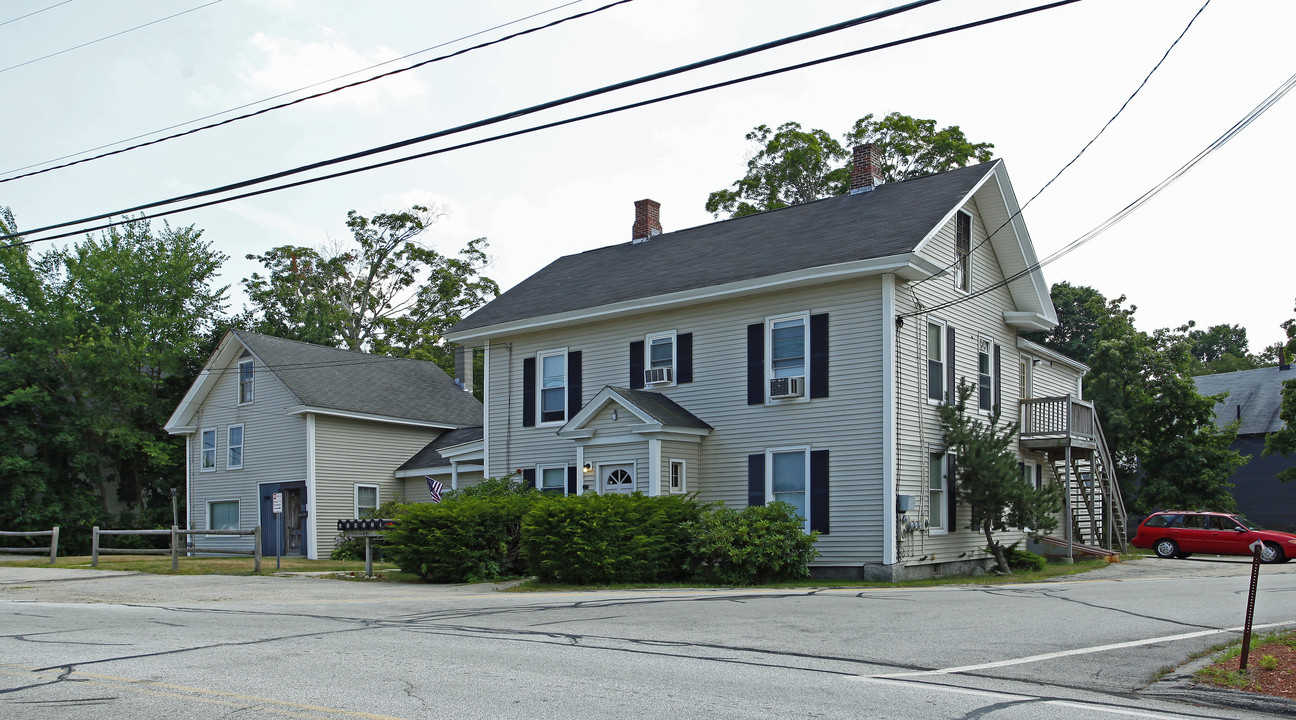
(662, 409)
(1258, 392)
(353, 381)
(430, 455)
(890, 220)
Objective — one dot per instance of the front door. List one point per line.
(286, 534)
(616, 479)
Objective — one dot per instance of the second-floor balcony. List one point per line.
(1058, 422)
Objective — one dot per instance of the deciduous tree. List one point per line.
(794, 165)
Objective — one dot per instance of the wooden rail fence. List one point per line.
(177, 545)
(53, 548)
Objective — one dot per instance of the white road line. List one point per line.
(1076, 651)
(1020, 697)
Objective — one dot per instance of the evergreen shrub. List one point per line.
(465, 539)
(757, 544)
(599, 539)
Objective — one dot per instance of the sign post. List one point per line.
(1256, 547)
(277, 502)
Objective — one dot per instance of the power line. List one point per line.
(34, 12)
(280, 106)
(1138, 202)
(1102, 130)
(108, 37)
(530, 110)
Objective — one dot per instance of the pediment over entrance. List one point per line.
(621, 411)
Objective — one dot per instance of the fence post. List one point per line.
(54, 544)
(256, 551)
(175, 551)
(94, 546)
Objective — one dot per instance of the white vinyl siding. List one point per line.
(349, 451)
(717, 467)
(278, 454)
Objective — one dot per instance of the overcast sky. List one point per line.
(1216, 247)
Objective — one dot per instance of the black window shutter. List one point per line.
(951, 494)
(756, 479)
(819, 491)
(819, 356)
(684, 358)
(528, 477)
(528, 391)
(756, 366)
(571, 479)
(951, 392)
(998, 381)
(637, 365)
(573, 383)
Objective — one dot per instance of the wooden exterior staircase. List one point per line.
(1067, 430)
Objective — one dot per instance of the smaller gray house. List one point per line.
(1253, 401)
(328, 428)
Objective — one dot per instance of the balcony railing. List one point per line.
(1062, 420)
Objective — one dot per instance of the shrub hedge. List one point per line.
(599, 539)
(757, 544)
(468, 539)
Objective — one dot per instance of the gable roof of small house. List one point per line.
(430, 456)
(1254, 398)
(868, 232)
(330, 380)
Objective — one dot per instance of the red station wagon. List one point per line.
(1178, 534)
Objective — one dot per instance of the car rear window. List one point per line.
(1163, 520)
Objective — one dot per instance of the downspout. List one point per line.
(889, 438)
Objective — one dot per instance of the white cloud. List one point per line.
(281, 64)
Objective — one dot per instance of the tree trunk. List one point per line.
(1001, 562)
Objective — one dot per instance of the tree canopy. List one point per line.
(98, 342)
(384, 292)
(794, 166)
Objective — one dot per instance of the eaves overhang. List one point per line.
(906, 266)
(305, 409)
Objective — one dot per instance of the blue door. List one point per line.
(284, 535)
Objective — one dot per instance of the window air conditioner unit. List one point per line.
(788, 387)
(655, 376)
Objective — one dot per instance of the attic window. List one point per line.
(963, 252)
(245, 382)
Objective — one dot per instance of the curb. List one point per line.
(1180, 685)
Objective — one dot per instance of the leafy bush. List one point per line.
(491, 487)
(468, 539)
(598, 539)
(754, 545)
(353, 548)
(1019, 559)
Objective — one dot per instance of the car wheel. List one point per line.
(1166, 548)
(1271, 553)
(1183, 555)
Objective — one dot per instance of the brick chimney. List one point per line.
(866, 169)
(647, 222)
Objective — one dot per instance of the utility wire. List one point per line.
(1138, 202)
(108, 37)
(34, 12)
(533, 109)
(1120, 110)
(280, 106)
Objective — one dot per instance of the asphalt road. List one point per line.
(111, 645)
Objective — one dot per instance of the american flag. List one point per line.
(435, 488)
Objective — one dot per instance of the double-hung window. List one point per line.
(985, 380)
(234, 447)
(208, 462)
(245, 379)
(963, 252)
(937, 486)
(553, 386)
(366, 501)
(788, 340)
(789, 479)
(553, 479)
(659, 365)
(678, 480)
(935, 361)
(223, 515)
